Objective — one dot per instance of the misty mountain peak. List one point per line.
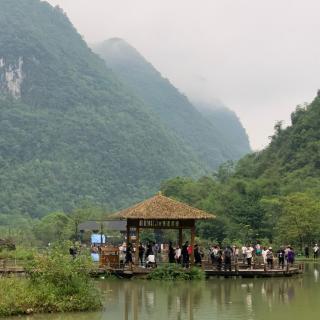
(197, 130)
(118, 52)
(120, 46)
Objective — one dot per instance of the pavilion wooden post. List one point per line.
(128, 233)
(136, 262)
(193, 231)
(180, 238)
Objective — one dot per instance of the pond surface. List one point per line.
(230, 299)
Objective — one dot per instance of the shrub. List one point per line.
(176, 272)
(57, 283)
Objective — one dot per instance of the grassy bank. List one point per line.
(56, 283)
(21, 296)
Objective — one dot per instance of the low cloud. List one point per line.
(260, 59)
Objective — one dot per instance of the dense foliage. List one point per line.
(77, 133)
(271, 195)
(57, 283)
(210, 138)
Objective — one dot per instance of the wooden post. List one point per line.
(128, 233)
(101, 234)
(136, 262)
(180, 237)
(192, 243)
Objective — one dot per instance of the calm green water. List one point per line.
(243, 299)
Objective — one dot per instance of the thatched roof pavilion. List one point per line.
(161, 207)
(160, 212)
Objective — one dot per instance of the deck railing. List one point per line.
(236, 265)
(11, 266)
(15, 265)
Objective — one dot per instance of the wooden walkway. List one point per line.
(236, 271)
(255, 273)
(257, 270)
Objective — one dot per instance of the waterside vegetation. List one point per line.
(170, 272)
(56, 282)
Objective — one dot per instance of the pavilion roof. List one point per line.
(160, 207)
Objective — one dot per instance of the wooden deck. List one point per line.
(255, 273)
(236, 271)
(256, 270)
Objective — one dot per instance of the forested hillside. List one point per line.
(70, 131)
(211, 142)
(273, 194)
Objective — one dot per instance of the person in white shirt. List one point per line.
(249, 251)
(177, 255)
(244, 254)
(264, 255)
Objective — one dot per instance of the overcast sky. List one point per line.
(260, 58)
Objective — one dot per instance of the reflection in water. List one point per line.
(316, 275)
(150, 299)
(278, 292)
(219, 298)
(249, 305)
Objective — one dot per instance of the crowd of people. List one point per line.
(151, 253)
(315, 250)
(249, 254)
(221, 258)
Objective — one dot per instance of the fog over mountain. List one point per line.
(212, 132)
(259, 58)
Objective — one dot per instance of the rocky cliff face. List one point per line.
(11, 77)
